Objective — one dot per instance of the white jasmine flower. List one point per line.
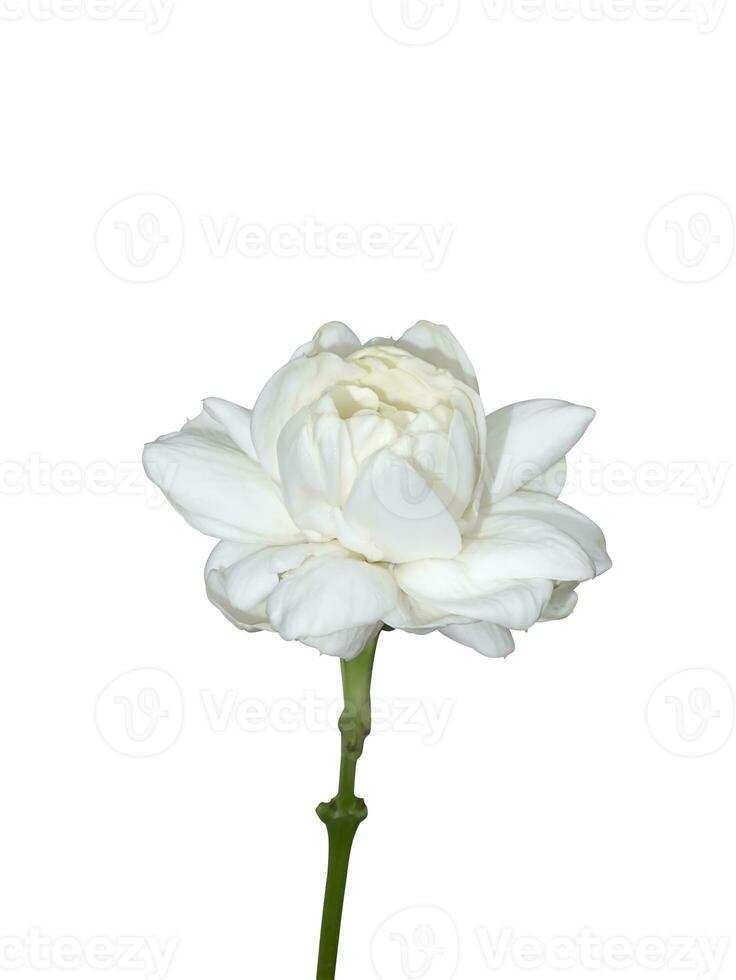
(367, 487)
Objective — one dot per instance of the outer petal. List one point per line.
(517, 546)
(392, 514)
(333, 336)
(215, 486)
(541, 507)
(345, 644)
(464, 588)
(225, 555)
(486, 638)
(414, 616)
(240, 580)
(552, 481)
(297, 384)
(235, 420)
(326, 595)
(505, 577)
(252, 580)
(525, 439)
(240, 577)
(562, 602)
(436, 343)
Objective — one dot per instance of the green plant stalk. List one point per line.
(345, 812)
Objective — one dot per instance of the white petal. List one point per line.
(541, 507)
(295, 385)
(414, 616)
(326, 595)
(369, 433)
(465, 461)
(240, 578)
(525, 439)
(392, 514)
(317, 466)
(333, 336)
(463, 587)
(514, 603)
(345, 644)
(449, 461)
(253, 580)
(562, 602)
(552, 481)
(517, 546)
(223, 556)
(235, 420)
(215, 486)
(486, 638)
(227, 553)
(436, 343)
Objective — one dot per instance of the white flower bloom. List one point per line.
(367, 487)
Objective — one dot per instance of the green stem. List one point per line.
(345, 812)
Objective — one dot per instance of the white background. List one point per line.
(556, 797)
